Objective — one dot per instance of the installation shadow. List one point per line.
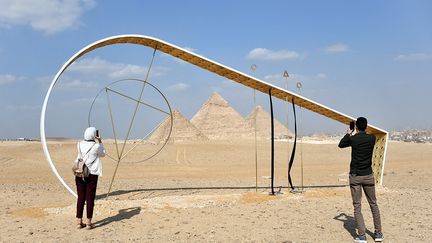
(122, 214)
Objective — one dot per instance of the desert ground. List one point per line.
(205, 192)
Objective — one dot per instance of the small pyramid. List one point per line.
(219, 121)
(263, 124)
(182, 130)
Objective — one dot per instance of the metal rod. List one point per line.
(253, 67)
(301, 156)
(115, 140)
(112, 123)
(132, 120)
(256, 150)
(299, 86)
(137, 104)
(112, 179)
(140, 102)
(286, 75)
(142, 139)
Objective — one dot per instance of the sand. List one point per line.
(205, 193)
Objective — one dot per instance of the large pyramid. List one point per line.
(263, 124)
(219, 121)
(182, 130)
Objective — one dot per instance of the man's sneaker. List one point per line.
(378, 236)
(360, 239)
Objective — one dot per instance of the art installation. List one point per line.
(217, 68)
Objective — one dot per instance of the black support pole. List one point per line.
(291, 162)
(272, 143)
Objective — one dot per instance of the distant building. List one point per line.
(412, 136)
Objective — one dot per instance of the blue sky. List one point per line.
(363, 58)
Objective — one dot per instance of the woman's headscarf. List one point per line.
(90, 133)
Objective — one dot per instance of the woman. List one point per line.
(90, 151)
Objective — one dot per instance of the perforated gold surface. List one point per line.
(379, 156)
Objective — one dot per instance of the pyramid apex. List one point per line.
(219, 121)
(217, 99)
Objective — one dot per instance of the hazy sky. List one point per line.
(363, 58)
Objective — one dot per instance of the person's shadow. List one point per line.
(126, 213)
(349, 224)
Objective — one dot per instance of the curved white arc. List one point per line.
(43, 111)
(139, 40)
(43, 137)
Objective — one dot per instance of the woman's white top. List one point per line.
(92, 159)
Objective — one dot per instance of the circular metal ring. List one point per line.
(161, 94)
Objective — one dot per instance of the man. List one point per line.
(361, 176)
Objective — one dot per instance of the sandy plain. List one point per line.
(206, 193)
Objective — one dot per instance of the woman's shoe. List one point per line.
(81, 225)
(90, 226)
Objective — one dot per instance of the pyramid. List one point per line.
(263, 124)
(219, 121)
(182, 130)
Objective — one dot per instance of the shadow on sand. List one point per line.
(122, 192)
(122, 215)
(349, 224)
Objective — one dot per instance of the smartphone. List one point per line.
(97, 133)
(352, 125)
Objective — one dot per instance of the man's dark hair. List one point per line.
(361, 124)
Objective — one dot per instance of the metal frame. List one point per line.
(221, 70)
(169, 113)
